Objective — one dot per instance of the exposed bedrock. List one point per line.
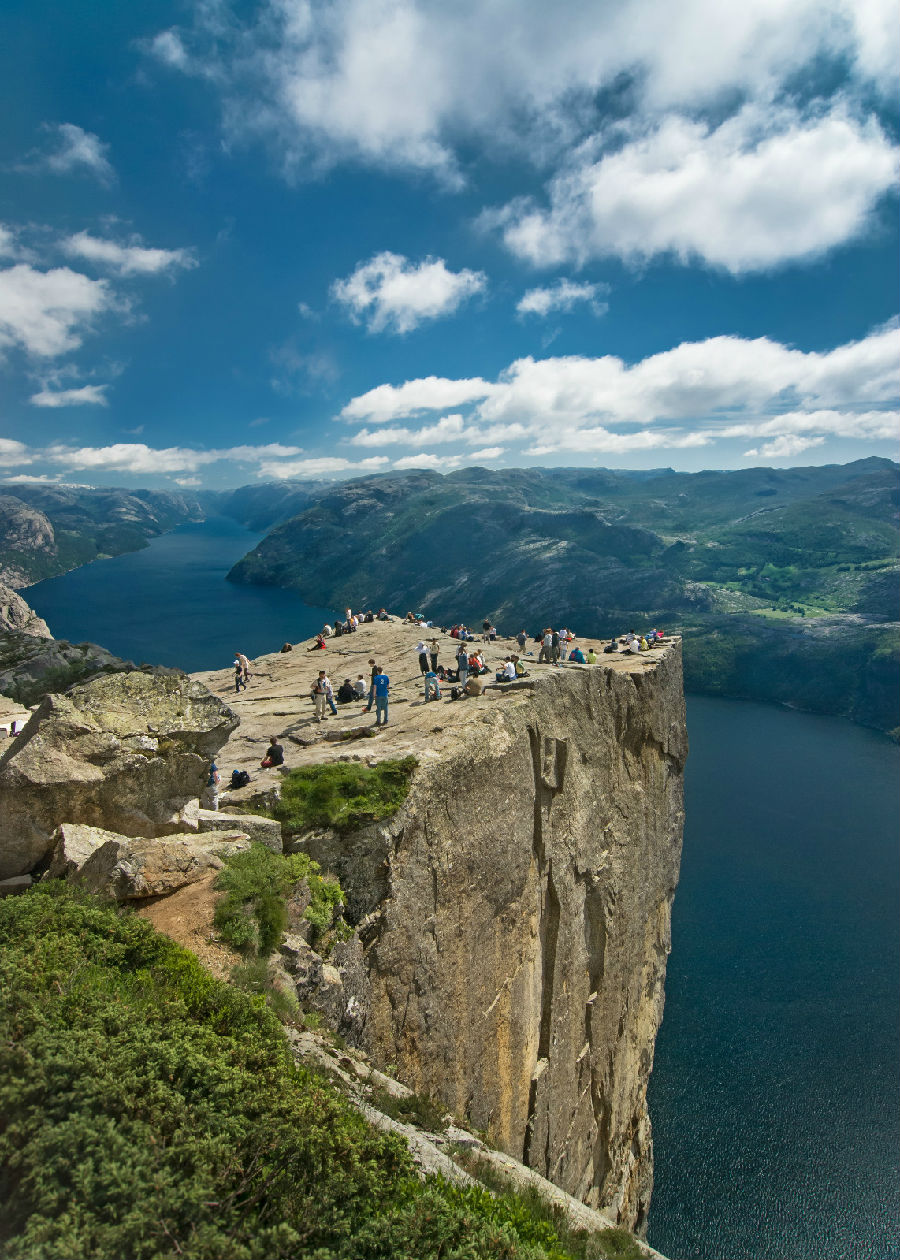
(518, 922)
(127, 752)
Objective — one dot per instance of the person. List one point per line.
(433, 650)
(521, 671)
(322, 694)
(373, 670)
(634, 646)
(212, 787)
(474, 686)
(644, 645)
(319, 643)
(507, 672)
(245, 666)
(591, 656)
(577, 656)
(563, 643)
(239, 681)
(327, 630)
(554, 646)
(546, 652)
(486, 628)
(521, 639)
(462, 665)
(274, 754)
(381, 686)
(346, 692)
(612, 646)
(423, 656)
(360, 687)
(432, 684)
(382, 615)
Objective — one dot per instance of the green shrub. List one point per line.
(153, 1112)
(252, 916)
(343, 794)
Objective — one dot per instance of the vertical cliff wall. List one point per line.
(518, 918)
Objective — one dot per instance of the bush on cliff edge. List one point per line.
(151, 1111)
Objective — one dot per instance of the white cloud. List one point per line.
(692, 395)
(49, 312)
(763, 188)
(188, 481)
(487, 452)
(13, 454)
(561, 296)
(434, 462)
(76, 149)
(428, 393)
(86, 395)
(321, 466)
(127, 260)
(399, 83)
(784, 447)
(394, 295)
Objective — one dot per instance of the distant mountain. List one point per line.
(770, 573)
(47, 530)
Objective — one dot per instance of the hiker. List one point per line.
(239, 681)
(423, 656)
(577, 656)
(373, 670)
(462, 665)
(381, 686)
(507, 672)
(521, 671)
(322, 694)
(432, 684)
(521, 639)
(211, 792)
(359, 687)
(346, 692)
(591, 656)
(245, 666)
(274, 754)
(433, 650)
(319, 643)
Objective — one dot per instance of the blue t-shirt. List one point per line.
(380, 683)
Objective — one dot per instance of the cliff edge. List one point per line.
(513, 917)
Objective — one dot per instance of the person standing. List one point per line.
(373, 671)
(381, 685)
(318, 695)
(521, 639)
(462, 664)
(423, 656)
(245, 666)
(213, 783)
(239, 681)
(546, 652)
(433, 650)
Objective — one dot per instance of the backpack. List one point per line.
(239, 778)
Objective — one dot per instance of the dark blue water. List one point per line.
(170, 604)
(774, 1095)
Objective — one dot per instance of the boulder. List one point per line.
(16, 615)
(265, 831)
(130, 868)
(73, 845)
(126, 752)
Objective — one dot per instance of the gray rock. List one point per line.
(16, 615)
(265, 831)
(126, 752)
(130, 868)
(74, 844)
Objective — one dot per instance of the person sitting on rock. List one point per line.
(327, 630)
(346, 692)
(319, 644)
(507, 673)
(359, 687)
(577, 656)
(591, 656)
(274, 754)
(612, 646)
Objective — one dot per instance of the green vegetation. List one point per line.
(417, 1109)
(343, 794)
(153, 1112)
(252, 916)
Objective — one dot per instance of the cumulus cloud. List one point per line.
(321, 466)
(394, 295)
(428, 393)
(434, 462)
(695, 394)
(13, 454)
(128, 260)
(85, 395)
(48, 313)
(561, 296)
(400, 84)
(487, 452)
(75, 150)
(785, 447)
(762, 188)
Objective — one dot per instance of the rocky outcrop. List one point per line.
(126, 752)
(17, 616)
(32, 667)
(515, 923)
(26, 540)
(132, 868)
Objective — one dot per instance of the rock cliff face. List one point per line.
(515, 922)
(16, 615)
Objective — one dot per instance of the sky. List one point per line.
(244, 242)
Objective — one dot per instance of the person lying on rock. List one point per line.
(274, 754)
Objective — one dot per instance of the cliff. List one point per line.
(513, 917)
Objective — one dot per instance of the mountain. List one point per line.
(47, 529)
(784, 582)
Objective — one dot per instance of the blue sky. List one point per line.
(283, 239)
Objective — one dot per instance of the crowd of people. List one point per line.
(459, 677)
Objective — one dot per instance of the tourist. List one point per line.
(382, 615)
(245, 666)
(521, 671)
(274, 754)
(213, 783)
(546, 653)
(346, 692)
(577, 656)
(591, 656)
(433, 650)
(474, 686)
(612, 646)
(373, 670)
(507, 673)
(423, 656)
(239, 681)
(318, 644)
(381, 686)
(432, 684)
(327, 630)
(462, 665)
(521, 639)
(360, 687)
